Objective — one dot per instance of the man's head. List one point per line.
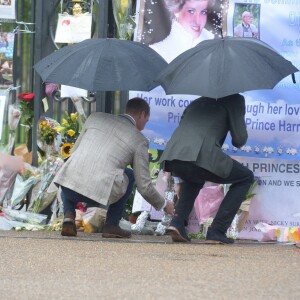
(247, 17)
(139, 109)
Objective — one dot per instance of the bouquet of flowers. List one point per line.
(48, 135)
(27, 109)
(122, 10)
(48, 170)
(14, 115)
(47, 132)
(69, 130)
(77, 101)
(24, 216)
(27, 177)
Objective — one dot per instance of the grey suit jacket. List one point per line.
(106, 146)
(202, 131)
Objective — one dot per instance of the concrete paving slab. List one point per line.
(45, 265)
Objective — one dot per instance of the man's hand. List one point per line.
(169, 208)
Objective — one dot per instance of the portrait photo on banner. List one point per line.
(169, 25)
(246, 20)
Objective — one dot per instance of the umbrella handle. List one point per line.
(293, 78)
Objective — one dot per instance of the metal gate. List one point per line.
(35, 29)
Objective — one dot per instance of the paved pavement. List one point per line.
(45, 265)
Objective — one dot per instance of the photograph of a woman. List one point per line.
(187, 30)
(171, 27)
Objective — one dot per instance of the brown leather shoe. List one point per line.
(69, 226)
(115, 231)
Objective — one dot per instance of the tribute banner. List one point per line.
(272, 116)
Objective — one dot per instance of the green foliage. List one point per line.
(198, 235)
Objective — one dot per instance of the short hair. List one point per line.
(248, 13)
(137, 105)
(175, 6)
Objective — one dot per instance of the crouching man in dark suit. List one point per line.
(195, 154)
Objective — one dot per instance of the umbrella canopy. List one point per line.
(103, 65)
(221, 67)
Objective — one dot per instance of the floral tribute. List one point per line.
(48, 136)
(122, 14)
(47, 131)
(27, 109)
(69, 130)
(48, 170)
(14, 115)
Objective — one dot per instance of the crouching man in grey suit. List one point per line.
(97, 171)
(195, 154)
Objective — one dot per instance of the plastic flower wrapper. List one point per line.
(140, 222)
(56, 224)
(48, 136)
(7, 223)
(57, 216)
(232, 231)
(47, 199)
(208, 202)
(24, 216)
(14, 115)
(9, 168)
(288, 234)
(166, 220)
(27, 177)
(48, 170)
(122, 14)
(206, 225)
(93, 219)
(78, 105)
(27, 109)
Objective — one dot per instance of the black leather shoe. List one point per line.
(217, 237)
(177, 231)
(115, 231)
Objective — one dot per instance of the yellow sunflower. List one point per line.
(66, 149)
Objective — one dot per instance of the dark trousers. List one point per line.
(115, 211)
(240, 178)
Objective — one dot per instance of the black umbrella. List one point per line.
(221, 67)
(103, 65)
